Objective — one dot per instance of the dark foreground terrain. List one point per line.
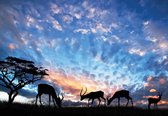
(17, 109)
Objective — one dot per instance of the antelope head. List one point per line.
(160, 95)
(83, 95)
(59, 100)
(108, 98)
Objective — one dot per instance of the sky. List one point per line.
(105, 45)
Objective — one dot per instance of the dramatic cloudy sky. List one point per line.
(103, 45)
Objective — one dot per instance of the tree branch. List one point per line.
(6, 83)
(3, 85)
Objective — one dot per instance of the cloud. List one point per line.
(55, 9)
(12, 46)
(137, 51)
(8, 26)
(114, 25)
(74, 10)
(78, 15)
(55, 23)
(146, 23)
(156, 33)
(150, 78)
(29, 20)
(92, 12)
(83, 31)
(153, 90)
(67, 19)
(157, 83)
(102, 28)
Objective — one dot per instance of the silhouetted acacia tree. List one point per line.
(15, 73)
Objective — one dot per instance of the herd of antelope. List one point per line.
(48, 89)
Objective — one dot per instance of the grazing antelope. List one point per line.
(118, 95)
(154, 100)
(48, 89)
(92, 96)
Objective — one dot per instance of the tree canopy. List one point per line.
(15, 73)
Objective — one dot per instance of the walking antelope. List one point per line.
(118, 95)
(92, 96)
(154, 100)
(48, 89)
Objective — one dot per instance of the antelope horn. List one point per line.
(81, 92)
(85, 91)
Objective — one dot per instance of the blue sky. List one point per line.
(103, 44)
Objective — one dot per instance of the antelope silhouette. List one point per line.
(154, 101)
(92, 96)
(48, 89)
(118, 95)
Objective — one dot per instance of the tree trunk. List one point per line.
(12, 96)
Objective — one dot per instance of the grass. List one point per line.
(32, 110)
